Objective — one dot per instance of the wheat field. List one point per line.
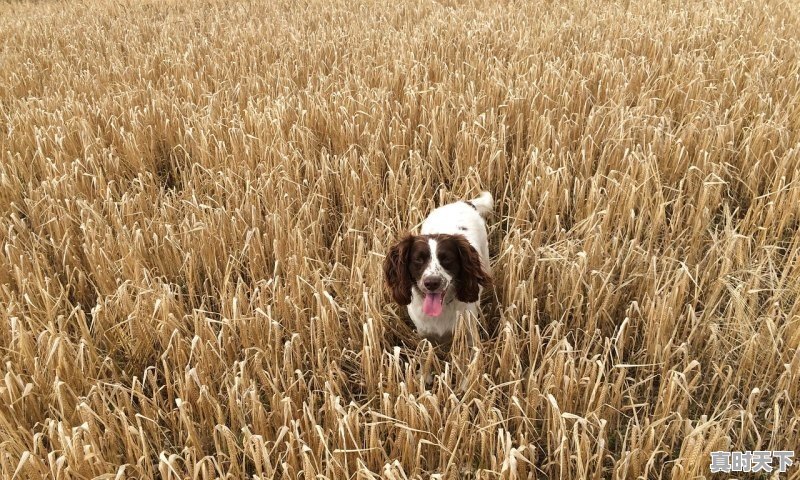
(196, 199)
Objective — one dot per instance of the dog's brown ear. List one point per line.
(395, 270)
(472, 275)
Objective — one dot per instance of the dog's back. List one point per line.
(463, 218)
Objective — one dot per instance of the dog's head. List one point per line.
(437, 266)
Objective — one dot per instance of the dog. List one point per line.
(441, 273)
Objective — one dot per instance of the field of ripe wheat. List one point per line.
(196, 198)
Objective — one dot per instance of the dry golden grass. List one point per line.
(196, 199)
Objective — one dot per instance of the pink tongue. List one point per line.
(432, 306)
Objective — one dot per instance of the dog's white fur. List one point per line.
(458, 218)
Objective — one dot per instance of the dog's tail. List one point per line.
(483, 203)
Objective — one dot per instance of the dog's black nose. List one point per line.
(432, 283)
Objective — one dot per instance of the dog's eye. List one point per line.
(445, 258)
(420, 259)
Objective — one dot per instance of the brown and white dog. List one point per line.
(441, 273)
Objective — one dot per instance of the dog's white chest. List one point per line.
(442, 326)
